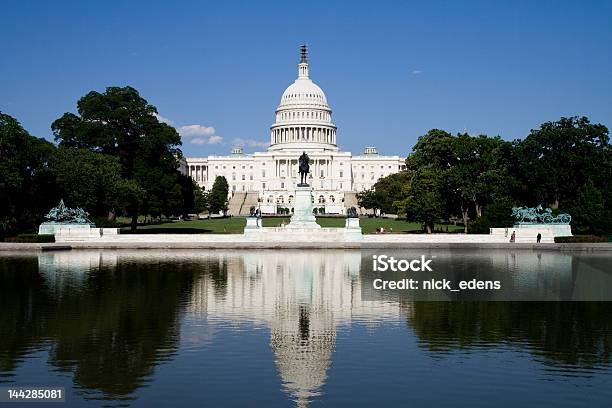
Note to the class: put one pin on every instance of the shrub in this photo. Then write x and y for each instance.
(580, 238)
(31, 238)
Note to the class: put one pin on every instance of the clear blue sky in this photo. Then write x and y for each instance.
(391, 70)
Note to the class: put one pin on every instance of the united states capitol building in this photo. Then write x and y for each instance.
(268, 179)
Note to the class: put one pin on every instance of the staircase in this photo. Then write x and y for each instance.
(235, 203)
(250, 200)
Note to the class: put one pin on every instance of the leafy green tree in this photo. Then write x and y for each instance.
(120, 123)
(588, 210)
(560, 157)
(473, 171)
(89, 180)
(390, 189)
(200, 200)
(217, 199)
(566, 164)
(423, 202)
(479, 175)
(26, 186)
(369, 199)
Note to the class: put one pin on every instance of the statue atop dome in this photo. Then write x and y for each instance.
(304, 169)
(304, 54)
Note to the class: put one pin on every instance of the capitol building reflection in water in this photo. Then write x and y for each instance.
(302, 297)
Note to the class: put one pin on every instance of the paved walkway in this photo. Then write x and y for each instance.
(177, 243)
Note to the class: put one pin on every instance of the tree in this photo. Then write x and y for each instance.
(26, 186)
(200, 200)
(369, 199)
(423, 202)
(217, 199)
(473, 171)
(389, 190)
(567, 165)
(120, 123)
(560, 157)
(89, 180)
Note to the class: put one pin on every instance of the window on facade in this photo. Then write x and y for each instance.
(341, 174)
(243, 177)
(250, 177)
(263, 173)
(233, 176)
(270, 199)
(340, 186)
(332, 199)
(282, 184)
(263, 186)
(322, 174)
(280, 200)
(321, 199)
(290, 199)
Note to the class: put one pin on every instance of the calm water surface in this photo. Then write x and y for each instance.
(292, 328)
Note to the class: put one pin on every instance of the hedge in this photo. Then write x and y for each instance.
(580, 238)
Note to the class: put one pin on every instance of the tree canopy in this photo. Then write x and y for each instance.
(564, 164)
(26, 186)
(120, 123)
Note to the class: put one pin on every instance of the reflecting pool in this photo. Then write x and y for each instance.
(297, 328)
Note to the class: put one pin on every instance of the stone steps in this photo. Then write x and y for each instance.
(250, 200)
(235, 203)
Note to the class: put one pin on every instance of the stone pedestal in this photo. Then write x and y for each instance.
(253, 223)
(529, 232)
(52, 228)
(302, 209)
(352, 223)
(352, 230)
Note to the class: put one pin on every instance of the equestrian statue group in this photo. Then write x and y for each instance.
(538, 215)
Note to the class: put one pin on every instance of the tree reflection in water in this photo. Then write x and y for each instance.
(575, 333)
(109, 324)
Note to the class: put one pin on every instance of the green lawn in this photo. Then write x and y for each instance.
(235, 225)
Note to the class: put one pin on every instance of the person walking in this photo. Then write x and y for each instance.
(513, 236)
(539, 238)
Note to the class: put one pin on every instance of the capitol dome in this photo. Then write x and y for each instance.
(303, 92)
(303, 117)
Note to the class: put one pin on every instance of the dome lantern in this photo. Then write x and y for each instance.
(303, 66)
